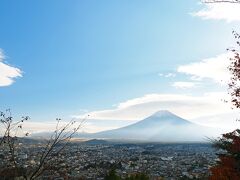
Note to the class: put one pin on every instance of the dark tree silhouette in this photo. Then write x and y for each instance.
(48, 158)
(228, 166)
(234, 68)
(10, 129)
(112, 175)
(137, 176)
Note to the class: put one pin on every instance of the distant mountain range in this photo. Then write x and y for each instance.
(162, 126)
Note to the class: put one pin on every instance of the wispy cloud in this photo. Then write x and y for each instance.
(90, 126)
(7, 73)
(168, 75)
(184, 84)
(227, 121)
(220, 11)
(215, 68)
(187, 106)
(207, 109)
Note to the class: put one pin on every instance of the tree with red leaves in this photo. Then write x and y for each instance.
(228, 166)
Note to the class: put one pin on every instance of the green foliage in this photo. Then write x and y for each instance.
(113, 176)
(140, 176)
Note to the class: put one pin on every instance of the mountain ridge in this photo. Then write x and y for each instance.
(161, 126)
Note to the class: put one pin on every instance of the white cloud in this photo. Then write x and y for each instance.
(92, 125)
(204, 109)
(184, 84)
(7, 72)
(186, 106)
(32, 127)
(220, 11)
(168, 75)
(89, 126)
(215, 68)
(226, 121)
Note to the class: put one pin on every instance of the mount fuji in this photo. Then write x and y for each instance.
(162, 126)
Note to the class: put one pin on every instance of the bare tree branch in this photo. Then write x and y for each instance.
(54, 145)
(62, 136)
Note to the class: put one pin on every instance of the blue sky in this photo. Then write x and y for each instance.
(78, 56)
